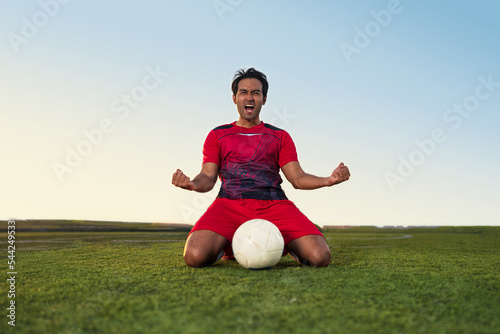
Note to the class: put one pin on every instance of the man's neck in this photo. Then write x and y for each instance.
(247, 124)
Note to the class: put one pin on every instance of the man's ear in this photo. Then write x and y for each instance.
(234, 99)
(264, 101)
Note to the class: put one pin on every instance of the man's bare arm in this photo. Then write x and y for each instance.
(202, 182)
(302, 180)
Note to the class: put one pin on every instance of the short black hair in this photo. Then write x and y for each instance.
(249, 74)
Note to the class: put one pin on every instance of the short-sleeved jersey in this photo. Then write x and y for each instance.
(249, 160)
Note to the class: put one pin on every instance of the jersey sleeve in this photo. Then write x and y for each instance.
(211, 149)
(288, 151)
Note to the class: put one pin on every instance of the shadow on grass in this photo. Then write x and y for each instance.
(343, 259)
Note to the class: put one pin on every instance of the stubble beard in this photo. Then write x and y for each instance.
(249, 117)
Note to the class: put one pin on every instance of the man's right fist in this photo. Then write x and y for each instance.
(179, 179)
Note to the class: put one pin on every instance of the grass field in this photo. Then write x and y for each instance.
(132, 279)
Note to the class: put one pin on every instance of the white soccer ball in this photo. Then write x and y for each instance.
(258, 244)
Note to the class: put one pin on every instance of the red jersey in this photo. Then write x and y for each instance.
(249, 160)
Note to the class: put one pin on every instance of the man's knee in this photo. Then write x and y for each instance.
(311, 251)
(320, 258)
(202, 248)
(195, 258)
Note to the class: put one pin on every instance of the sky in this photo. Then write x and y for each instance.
(102, 101)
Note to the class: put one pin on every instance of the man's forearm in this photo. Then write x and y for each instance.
(203, 183)
(309, 182)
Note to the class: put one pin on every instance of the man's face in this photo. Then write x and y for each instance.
(249, 100)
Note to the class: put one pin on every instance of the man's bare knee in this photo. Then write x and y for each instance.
(202, 248)
(320, 258)
(196, 258)
(311, 250)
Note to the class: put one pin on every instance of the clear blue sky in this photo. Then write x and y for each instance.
(101, 102)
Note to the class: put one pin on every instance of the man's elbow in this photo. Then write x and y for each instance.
(296, 181)
(295, 184)
(207, 187)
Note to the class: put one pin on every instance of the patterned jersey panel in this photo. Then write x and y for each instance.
(249, 160)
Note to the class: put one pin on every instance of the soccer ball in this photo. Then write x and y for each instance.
(258, 244)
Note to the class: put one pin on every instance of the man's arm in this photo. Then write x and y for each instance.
(202, 182)
(302, 180)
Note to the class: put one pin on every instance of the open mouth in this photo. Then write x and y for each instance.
(249, 108)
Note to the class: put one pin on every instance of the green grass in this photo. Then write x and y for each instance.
(440, 280)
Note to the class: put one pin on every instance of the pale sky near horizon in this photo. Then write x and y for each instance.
(102, 102)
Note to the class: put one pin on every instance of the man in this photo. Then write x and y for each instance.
(247, 155)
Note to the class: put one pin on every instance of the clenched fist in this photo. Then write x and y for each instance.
(339, 174)
(181, 180)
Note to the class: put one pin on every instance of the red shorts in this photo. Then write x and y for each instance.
(224, 216)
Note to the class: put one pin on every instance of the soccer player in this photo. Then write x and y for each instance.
(247, 156)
